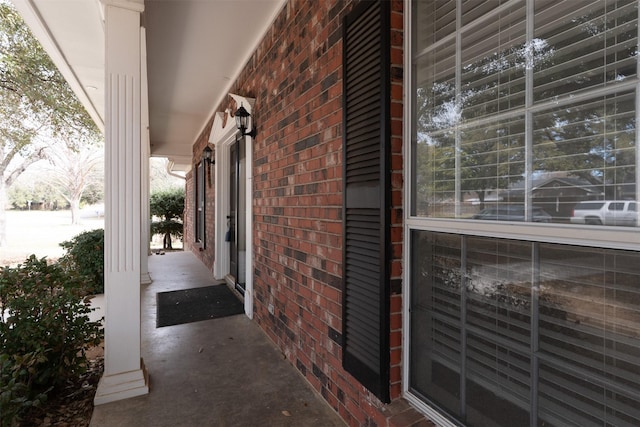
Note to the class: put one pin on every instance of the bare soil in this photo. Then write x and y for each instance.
(72, 404)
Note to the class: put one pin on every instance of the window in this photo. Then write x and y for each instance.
(514, 333)
(530, 109)
(524, 111)
(590, 205)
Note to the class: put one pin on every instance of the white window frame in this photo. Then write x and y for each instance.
(626, 238)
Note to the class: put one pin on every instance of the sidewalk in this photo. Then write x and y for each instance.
(220, 372)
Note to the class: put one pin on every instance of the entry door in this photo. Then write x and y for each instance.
(237, 215)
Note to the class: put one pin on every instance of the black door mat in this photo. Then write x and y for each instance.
(194, 305)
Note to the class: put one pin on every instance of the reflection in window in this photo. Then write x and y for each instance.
(593, 44)
(592, 141)
(589, 327)
(508, 333)
(539, 117)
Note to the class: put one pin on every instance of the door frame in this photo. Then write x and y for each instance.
(235, 226)
(223, 136)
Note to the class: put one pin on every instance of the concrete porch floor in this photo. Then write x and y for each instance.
(219, 372)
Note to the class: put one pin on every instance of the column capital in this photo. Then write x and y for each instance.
(133, 5)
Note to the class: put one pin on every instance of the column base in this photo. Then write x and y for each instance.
(122, 386)
(145, 279)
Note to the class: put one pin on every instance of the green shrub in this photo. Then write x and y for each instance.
(85, 254)
(44, 333)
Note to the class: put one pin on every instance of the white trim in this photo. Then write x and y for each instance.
(627, 238)
(29, 12)
(408, 176)
(133, 5)
(223, 135)
(435, 416)
(268, 23)
(145, 248)
(248, 291)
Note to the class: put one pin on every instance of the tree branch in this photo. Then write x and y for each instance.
(39, 155)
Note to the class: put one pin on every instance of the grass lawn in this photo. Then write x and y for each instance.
(41, 232)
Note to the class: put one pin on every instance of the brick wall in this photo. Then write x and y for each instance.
(397, 164)
(295, 76)
(189, 212)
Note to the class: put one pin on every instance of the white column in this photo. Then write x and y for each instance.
(124, 372)
(145, 249)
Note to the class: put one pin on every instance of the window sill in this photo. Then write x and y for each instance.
(580, 235)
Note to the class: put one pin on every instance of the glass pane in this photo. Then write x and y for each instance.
(498, 318)
(436, 19)
(436, 108)
(435, 319)
(492, 162)
(473, 10)
(573, 339)
(589, 328)
(435, 178)
(583, 44)
(436, 115)
(493, 59)
(498, 383)
(585, 151)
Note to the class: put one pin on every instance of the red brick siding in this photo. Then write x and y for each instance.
(189, 211)
(397, 173)
(298, 196)
(296, 77)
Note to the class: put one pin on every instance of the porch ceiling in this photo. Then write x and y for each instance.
(195, 50)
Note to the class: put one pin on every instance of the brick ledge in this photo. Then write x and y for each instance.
(400, 413)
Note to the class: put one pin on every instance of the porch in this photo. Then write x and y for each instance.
(222, 372)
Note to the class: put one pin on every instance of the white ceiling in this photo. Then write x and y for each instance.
(195, 50)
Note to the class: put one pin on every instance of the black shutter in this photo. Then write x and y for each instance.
(366, 195)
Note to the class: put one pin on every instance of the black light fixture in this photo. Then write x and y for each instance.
(206, 155)
(242, 118)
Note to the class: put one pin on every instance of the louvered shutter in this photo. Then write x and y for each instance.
(366, 196)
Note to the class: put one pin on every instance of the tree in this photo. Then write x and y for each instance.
(35, 187)
(74, 170)
(37, 106)
(168, 206)
(160, 179)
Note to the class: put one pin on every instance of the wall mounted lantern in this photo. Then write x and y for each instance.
(242, 118)
(206, 155)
